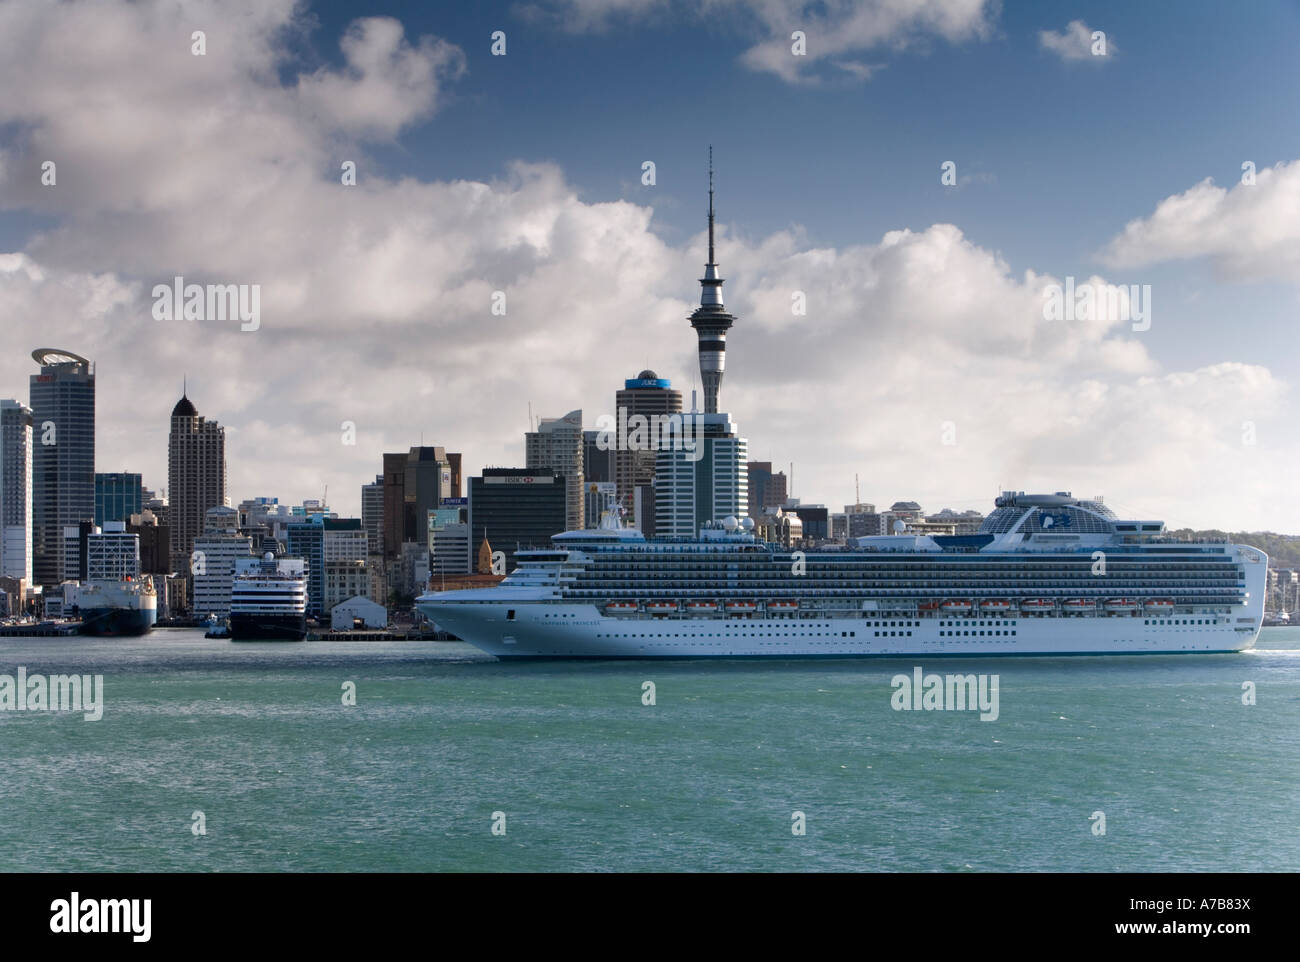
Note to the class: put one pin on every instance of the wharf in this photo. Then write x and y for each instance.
(62, 629)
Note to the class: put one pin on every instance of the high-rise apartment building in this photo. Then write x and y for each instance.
(196, 477)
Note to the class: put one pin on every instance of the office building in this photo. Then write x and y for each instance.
(63, 455)
(516, 507)
(212, 564)
(117, 496)
(706, 484)
(155, 543)
(196, 476)
(597, 458)
(372, 515)
(557, 444)
(415, 483)
(16, 492)
(767, 489)
(320, 541)
(641, 412)
(112, 553)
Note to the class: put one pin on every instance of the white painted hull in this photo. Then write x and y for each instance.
(582, 631)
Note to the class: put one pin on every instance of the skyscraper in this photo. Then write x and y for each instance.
(16, 491)
(63, 455)
(372, 515)
(643, 398)
(711, 320)
(415, 483)
(196, 477)
(557, 444)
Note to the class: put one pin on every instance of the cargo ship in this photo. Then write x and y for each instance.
(117, 608)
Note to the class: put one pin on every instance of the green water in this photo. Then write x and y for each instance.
(290, 779)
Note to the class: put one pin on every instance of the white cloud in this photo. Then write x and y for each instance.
(835, 30)
(376, 304)
(388, 83)
(1076, 42)
(1251, 232)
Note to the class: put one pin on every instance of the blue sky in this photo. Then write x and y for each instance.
(1064, 153)
(226, 166)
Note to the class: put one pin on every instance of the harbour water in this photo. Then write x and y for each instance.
(257, 738)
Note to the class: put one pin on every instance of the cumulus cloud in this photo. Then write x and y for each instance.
(388, 83)
(1076, 42)
(1251, 232)
(376, 302)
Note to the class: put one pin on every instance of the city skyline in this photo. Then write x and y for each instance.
(924, 302)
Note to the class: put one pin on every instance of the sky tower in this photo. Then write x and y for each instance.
(711, 320)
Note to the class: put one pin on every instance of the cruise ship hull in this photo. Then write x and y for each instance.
(267, 627)
(582, 631)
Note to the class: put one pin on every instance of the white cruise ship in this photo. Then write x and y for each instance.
(1045, 575)
(268, 601)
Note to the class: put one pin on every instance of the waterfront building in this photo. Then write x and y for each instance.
(517, 507)
(557, 444)
(358, 612)
(118, 495)
(196, 476)
(320, 540)
(212, 565)
(16, 492)
(63, 455)
(343, 580)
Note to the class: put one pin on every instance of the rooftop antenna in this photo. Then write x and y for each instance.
(710, 203)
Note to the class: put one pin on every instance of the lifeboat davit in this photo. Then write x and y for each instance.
(1037, 604)
(995, 604)
(742, 606)
(703, 607)
(956, 604)
(1121, 604)
(1160, 604)
(621, 606)
(782, 605)
(661, 607)
(928, 606)
(1079, 604)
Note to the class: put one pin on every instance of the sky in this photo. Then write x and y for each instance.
(920, 175)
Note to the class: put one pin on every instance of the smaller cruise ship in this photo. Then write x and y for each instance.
(268, 601)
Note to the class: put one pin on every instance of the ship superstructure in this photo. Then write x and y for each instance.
(1045, 575)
